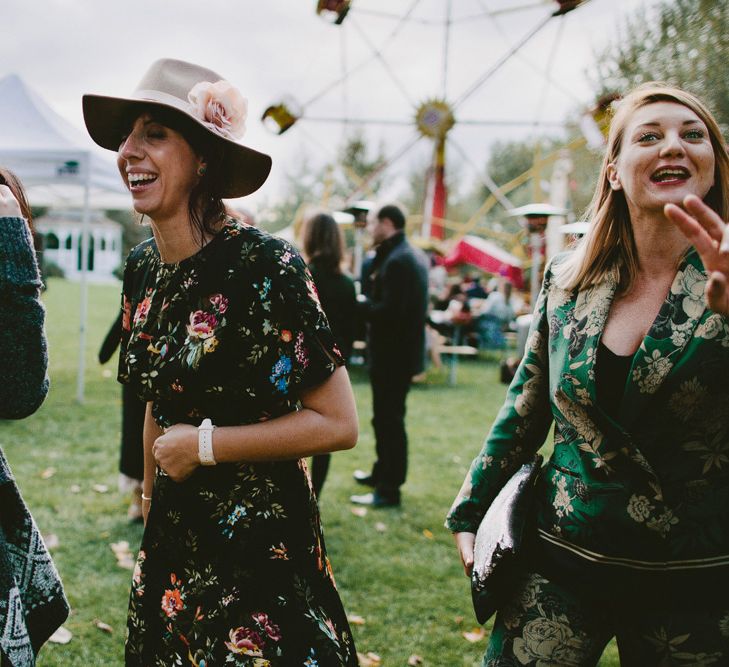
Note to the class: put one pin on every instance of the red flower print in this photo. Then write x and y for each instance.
(219, 302)
(245, 641)
(271, 629)
(176, 386)
(172, 602)
(127, 314)
(286, 336)
(202, 324)
(142, 310)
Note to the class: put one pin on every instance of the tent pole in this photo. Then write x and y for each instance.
(84, 282)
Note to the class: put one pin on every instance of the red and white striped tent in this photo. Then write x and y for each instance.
(488, 257)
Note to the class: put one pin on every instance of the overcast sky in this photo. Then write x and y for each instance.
(270, 48)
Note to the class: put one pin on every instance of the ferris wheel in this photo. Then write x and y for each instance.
(433, 116)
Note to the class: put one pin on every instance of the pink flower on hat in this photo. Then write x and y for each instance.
(221, 107)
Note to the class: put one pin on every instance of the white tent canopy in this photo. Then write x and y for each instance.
(51, 156)
(60, 166)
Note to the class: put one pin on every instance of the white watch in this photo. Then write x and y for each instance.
(205, 443)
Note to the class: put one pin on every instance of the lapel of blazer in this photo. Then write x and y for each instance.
(665, 341)
(585, 322)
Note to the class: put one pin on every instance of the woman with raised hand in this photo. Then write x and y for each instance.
(632, 508)
(226, 341)
(32, 603)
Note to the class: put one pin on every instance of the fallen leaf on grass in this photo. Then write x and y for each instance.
(356, 620)
(359, 511)
(380, 527)
(51, 540)
(75, 488)
(106, 373)
(61, 636)
(427, 534)
(368, 659)
(414, 660)
(48, 473)
(100, 488)
(476, 635)
(104, 627)
(458, 620)
(124, 556)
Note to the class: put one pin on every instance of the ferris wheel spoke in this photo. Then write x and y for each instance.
(388, 15)
(337, 82)
(384, 166)
(550, 64)
(484, 176)
(511, 123)
(378, 55)
(484, 77)
(446, 44)
(520, 56)
(358, 121)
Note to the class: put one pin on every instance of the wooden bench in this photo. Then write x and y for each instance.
(456, 351)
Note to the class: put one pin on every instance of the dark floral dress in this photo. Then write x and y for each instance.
(232, 569)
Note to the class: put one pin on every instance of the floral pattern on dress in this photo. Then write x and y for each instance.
(233, 569)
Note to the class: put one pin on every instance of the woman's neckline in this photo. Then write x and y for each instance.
(198, 253)
(618, 356)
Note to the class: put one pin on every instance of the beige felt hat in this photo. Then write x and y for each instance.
(198, 95)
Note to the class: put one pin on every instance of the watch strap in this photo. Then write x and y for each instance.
(205, 443)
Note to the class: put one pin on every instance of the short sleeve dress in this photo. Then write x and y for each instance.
(232, 568)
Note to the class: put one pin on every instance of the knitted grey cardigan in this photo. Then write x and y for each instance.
(32, 603)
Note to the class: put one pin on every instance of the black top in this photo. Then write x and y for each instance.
(611, 374)
(397, 306)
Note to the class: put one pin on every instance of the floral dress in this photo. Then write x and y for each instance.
(232, 569)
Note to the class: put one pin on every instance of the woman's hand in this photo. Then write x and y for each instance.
(175, 451)
(9, 207)
(465, 542)
(710, 236)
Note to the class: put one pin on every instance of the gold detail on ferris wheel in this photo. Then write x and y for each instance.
(434, 118)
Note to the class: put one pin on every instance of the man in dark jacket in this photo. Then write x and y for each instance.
(395, 310)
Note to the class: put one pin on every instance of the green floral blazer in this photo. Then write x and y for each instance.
(648, 491)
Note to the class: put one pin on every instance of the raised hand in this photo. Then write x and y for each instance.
(709, 234)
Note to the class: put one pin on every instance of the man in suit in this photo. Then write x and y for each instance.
(395, 310)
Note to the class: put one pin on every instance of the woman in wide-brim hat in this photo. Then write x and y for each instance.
(225, 339)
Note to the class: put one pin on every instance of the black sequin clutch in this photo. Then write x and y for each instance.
(499, 540)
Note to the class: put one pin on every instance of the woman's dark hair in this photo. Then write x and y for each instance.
(323, 244)
(8, 178)
(205, 206)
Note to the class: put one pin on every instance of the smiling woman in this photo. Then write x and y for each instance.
(632, 510)
(225, 340)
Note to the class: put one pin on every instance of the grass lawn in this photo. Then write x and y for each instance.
(396, 569)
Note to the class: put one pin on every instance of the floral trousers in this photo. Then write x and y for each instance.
(547, 625)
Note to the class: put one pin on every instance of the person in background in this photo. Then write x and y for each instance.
(32, 601)
(632, 509)
(224, 338)
(324, 251)
(396, 310)
(131, 456)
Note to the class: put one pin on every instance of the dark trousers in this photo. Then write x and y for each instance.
(390, 388)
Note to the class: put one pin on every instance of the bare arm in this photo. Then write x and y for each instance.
(150, 433)
(326, 422)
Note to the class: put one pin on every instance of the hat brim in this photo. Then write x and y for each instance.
(244, 169)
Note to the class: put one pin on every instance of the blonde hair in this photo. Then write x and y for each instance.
(608, 249)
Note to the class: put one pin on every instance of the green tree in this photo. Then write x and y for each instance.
(683, 42)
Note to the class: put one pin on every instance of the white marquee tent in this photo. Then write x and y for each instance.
(60, 166)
